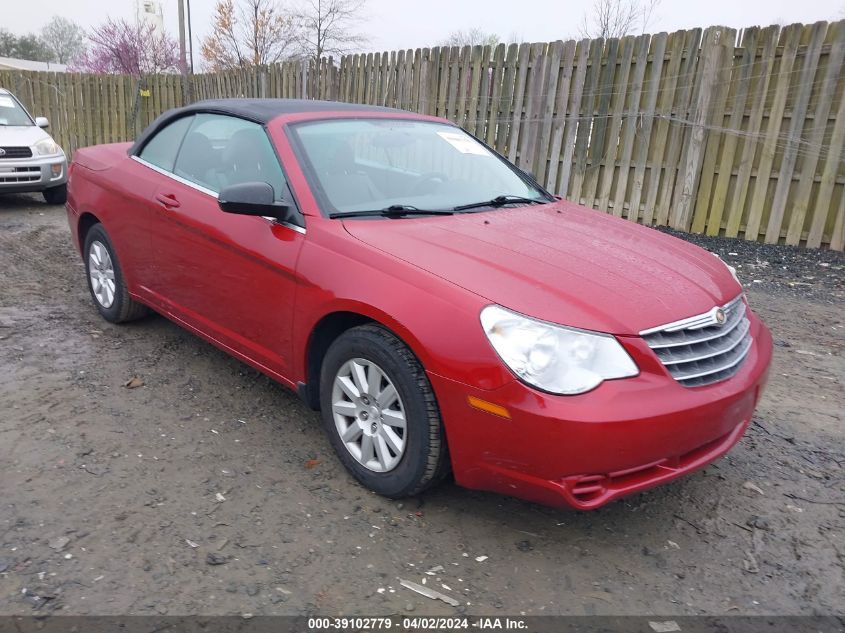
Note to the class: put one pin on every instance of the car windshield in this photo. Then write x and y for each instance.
(360, 165)
(11, 113)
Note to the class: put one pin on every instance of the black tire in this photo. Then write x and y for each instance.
(425, 460)
(123, 307)
(55, 195)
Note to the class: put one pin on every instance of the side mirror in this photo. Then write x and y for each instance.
(252, 198)
(42, 122)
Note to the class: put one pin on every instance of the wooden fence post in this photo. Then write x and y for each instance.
(714, 48)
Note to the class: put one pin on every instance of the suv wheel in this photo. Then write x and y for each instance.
(55, 195)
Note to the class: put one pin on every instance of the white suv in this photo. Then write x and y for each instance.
(30, 160)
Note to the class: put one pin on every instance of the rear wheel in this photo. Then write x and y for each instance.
(55, 195)
(105, 279)
(380, 413)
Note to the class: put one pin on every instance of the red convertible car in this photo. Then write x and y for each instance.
(441, 310)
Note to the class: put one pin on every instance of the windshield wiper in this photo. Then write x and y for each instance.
(498, 201)
(393, 211)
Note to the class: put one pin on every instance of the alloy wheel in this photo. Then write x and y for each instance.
(101, 273)
(369, 415)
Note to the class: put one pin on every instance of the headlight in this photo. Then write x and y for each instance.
(46, 147)
(554, 358)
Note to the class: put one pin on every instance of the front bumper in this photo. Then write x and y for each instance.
(31, 174)
(587, 450)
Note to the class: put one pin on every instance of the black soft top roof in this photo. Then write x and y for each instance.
(258, 110)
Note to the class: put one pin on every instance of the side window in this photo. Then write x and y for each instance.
(161, 150)
(220, 150)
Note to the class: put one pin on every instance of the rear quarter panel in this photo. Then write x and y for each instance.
(118, 191)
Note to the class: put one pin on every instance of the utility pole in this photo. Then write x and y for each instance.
(190, 37)
(183, 62)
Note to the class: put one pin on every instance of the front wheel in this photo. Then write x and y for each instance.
(380, 413)
(55, 195)
(105, 279)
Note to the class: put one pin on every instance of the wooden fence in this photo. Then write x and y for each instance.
(717, 131)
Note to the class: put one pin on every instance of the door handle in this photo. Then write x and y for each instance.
(168, 201)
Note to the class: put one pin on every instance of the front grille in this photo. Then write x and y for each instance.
(20, 174)
(698, 351)
(15, 152)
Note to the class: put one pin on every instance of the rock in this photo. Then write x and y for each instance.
(750, 563)
(758, 522)
(524, 546)
(748, 485)
(59, 543)
(4, 565)
(95, 469)
(252, 590)
(409, 606)
(216, 559)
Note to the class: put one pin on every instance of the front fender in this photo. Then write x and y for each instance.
(439, 321)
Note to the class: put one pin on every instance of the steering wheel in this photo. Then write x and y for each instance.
(427, 178)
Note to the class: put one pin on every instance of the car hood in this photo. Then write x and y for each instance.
(561, 263)
(21, 135)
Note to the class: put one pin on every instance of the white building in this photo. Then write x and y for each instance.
(150, 12)
(10, 63)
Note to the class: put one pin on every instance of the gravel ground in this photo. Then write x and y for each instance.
(785, 270)
(209, 489)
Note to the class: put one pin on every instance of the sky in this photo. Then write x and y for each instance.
(395, 24)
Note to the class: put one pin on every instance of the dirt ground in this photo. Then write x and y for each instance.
(117, 500)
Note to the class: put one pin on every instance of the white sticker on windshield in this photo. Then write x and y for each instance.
(463, 143)
(6, 102)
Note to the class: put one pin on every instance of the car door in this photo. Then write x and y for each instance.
(232, 277)
(136, 182)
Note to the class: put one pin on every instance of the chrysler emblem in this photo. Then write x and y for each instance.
(720, 317)
(2, 152)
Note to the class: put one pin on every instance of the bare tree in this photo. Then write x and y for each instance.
(617, 18)
(256, 32)
(471, 37)
(64, 38)
(327, 27)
